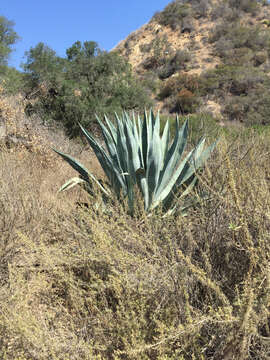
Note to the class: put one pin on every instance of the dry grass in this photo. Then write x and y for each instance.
(87, 285)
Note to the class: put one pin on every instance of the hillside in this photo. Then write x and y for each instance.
(206, 57)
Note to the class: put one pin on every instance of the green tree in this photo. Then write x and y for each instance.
(12, 79)
(78, 51)
(105, 81)
(42, 65)
(88, 81)
(8, 37)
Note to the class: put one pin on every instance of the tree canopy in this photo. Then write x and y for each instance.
(8, 37)
(88, 81)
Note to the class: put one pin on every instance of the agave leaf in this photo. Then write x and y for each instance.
(165, 141)
(194, 162)
(135, 131)
(127, 121)
(130, 194)
(111, 128)
(189, 188)
(132, 159)
(139, 122)
(85, 174)
(111, 144)
(145, 136)
(191, 164)
(154, 159)
(134, 156)
(122, 148)
(197, 161)
(190, 202)
(172, 196)
(164, 191)
(172, 158)
(109, 141)
(71, 183)
(111, 171)
(140, 142)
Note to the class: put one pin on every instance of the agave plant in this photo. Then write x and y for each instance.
(136, 154)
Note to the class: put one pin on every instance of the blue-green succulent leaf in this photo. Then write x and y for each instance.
(71, 183)
(136, 153)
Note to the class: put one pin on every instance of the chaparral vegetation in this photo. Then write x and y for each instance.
(163, 252)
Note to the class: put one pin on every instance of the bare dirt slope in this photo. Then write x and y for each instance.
(201, 52)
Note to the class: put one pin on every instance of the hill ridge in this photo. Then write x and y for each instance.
(190, 45)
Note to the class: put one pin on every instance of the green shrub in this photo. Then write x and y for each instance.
(201, 8)
(203, 125)
(8, 37)
(159, 49)
(249, 6)
(199, 125)
(224, 11)
(253, 38)
(243, 89)
(152, 63)
(145, 48)
(12, 80)
(175, 84)
(236, 108)
(252, 109)
(188, 25)
(228, 38)
(184, 102)
(242, 55)
(227, 79)
(181, 94)
(172, 15)
(260, 58)
(168, 89)
(175, 63)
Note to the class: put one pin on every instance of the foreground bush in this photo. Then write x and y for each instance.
(86, 285)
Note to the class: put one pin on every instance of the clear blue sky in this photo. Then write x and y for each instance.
(59, 23)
